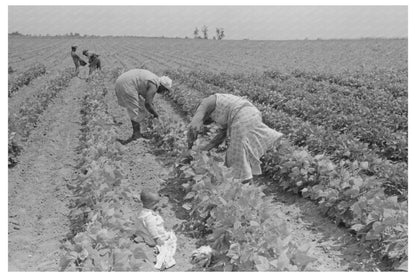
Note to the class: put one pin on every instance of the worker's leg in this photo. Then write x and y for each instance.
(135, 123)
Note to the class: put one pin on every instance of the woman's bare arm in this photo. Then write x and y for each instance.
(150, 94)
(204, 110)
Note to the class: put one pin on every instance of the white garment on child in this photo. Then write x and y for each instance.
(166, 251)
(154, 224)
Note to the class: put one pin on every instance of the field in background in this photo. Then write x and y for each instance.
(219, 56)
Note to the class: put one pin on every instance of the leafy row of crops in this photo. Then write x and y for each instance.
(237, 220)
(104, 212)
(25, 119)
(377, 120)
(343, 190)
(393, 81)
(103, 219)
(25, 77)
(317, 139)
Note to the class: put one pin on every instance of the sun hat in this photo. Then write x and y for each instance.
(166, 82)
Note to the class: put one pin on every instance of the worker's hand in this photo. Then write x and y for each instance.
(192, 135)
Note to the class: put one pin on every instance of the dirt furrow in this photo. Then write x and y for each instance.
(144, 172)
(38, 196)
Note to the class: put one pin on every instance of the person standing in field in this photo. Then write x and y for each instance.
(241, 122)
(135, 90)
(77, 60)
(93, 60)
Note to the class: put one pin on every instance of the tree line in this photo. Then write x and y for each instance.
(219, 33)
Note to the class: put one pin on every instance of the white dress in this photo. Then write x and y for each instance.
(154, 224)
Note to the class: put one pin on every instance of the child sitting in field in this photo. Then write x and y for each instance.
(165, 240)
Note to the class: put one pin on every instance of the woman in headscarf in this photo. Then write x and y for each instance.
(241, 122)
(135, 90)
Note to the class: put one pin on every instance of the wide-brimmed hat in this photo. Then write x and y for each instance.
(166, 82)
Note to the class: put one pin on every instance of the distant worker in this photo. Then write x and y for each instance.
(241, 122)
(135, 90)
(93, 60)
(77, 60)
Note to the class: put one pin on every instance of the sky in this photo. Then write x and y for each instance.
(239, 22)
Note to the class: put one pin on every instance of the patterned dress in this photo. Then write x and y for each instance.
(249, 137)
(131, 89)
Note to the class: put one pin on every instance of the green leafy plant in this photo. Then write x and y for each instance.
(25, 77)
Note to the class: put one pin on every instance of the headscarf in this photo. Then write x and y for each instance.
(166, 82)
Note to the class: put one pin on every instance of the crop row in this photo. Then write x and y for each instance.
(317, 139)
(104, 222)
(343, 191)
(393, 109)
(25, 120)
(330, 109)
(392, 81)
(25, 77)
(237, 220)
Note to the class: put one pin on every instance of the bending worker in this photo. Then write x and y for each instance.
(242, 123)
(135, 90)
(93, 60)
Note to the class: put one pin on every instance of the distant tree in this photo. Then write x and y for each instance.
(204, 31)
(16, 33)
(196, 33)
(220, 33)
(214, 37)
